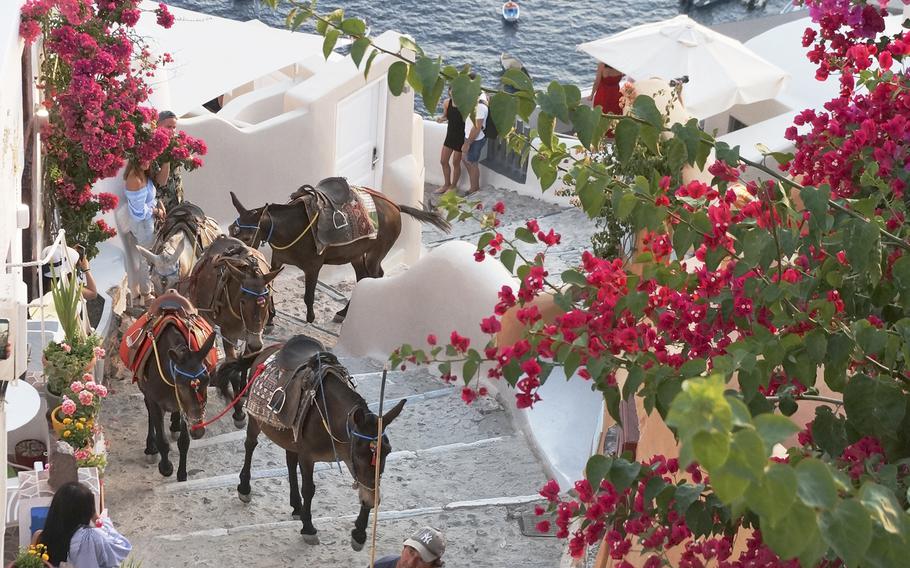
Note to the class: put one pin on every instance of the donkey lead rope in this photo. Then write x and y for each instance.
(294, 242)
(163, 377)
(377, 457)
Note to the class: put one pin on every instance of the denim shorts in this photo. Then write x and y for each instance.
(474, 150)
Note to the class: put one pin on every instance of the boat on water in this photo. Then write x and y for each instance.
(511, 12)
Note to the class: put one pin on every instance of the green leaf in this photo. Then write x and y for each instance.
(676, 154)
(503, 109)
(773, 496)
(465, 93)
(398, 72)
(829, 432)
(574, 277)
(774, 428)
(875, 406)
(693, 368)
(516, 78)
(328, 44)
(711, 448)
(523, 234)
(793, 533)
(353, 26)
(815, 484)
(406, 42)
(570, 365)
(645, 109)
(545, 124)
(848, 530)
(685, 495)
(886, 550)
(883, 506)
(627, 204)
(369, 64)
(649, 136)
(424, 73)
(816, 202)
(431, 97)
(816, 345)
(358, 49)
(597, 468)
(469, 370)
(728, 484)
(553, 101)
(625, 137)
(507, 257)
(862, 244)
(623, 473)
(588, 125)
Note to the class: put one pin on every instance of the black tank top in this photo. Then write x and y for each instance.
(456, 121)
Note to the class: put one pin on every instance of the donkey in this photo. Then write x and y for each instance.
(281, 225)
(175, 379)
(231, 287)
(338, 426)
(185, 233)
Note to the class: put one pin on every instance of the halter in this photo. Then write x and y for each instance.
(167, 274)
(194, 382)
(268, 238)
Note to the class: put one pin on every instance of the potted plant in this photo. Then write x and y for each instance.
(35, 556)
(74, 420)
(66, 361)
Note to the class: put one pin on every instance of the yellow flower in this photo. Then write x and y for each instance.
(79, 425)
(67, 420)
(66, 433)
(82, 419)
(45, 557)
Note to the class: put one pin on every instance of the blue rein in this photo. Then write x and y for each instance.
(246, 290)
(255, 227)
(175, 370)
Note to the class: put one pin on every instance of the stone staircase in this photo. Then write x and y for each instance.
(464, 469)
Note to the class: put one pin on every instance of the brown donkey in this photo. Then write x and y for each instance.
(290, 224)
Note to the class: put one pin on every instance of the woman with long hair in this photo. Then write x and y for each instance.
(136, 222)
(74, 533)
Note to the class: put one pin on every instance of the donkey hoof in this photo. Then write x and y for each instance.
(181, 476)
(357, 546)
(166, 469)
(245, 497)
(240, 424)
(311, 539)
(151, 458)
(295, 514)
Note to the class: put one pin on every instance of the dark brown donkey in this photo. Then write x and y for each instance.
(230, 285)
(290, 224)
(173, 375)
(333, 423)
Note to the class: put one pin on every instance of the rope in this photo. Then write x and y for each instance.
(377, 458)
(233, 403)
(163, 378)
(294, 242)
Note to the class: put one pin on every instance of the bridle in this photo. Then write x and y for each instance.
(194, 382)
(257, 227)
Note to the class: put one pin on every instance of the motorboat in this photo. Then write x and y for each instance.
(511, 12)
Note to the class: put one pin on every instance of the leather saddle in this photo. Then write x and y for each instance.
(330, 197)
(171, 301)
(189, 218)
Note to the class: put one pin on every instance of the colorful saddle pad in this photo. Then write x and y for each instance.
(280, 398)
(136, 345)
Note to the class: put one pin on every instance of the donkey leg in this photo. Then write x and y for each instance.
(175, 425)
(309, 292)
(165, 467)
(183, 444)
(151, 444)
(293, 463)
(359, 533)
(270, 324)
(360, 272)
(308, 490)
(252, 439)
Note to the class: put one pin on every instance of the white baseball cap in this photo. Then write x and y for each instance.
(60, 264)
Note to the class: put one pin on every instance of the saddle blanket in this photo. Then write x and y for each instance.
(357, 219)
(280, 398)
(136, 345)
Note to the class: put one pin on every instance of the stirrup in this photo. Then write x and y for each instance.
(276, 403)
(344, 219)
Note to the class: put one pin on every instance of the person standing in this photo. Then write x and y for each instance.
(475, 139)
(423, 550)
(605, 93)
(136, 221)
(74, 533)
(168, 182)
(451, 147)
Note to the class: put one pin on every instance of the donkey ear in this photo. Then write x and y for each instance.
(151, 257)
(174, 355)
(178, 250)
(360, 417)
(237, 205)
(271, 275)
(391, 415)
(207, 346)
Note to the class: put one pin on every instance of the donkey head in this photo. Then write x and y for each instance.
(164, 268)
(364, 434)
(247, 227)
(254, 293)
(191, 379)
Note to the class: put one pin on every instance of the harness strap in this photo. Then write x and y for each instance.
(294, 242)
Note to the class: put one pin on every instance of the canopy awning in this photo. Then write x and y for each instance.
(213, 55)
(722, 71)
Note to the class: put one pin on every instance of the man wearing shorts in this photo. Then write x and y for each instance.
(474, 142)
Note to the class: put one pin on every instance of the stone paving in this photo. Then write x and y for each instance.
(464, 469)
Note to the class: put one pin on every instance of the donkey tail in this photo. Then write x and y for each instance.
(427, 215)
(231, 373)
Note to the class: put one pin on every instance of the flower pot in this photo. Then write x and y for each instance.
(57, 420)
(54, 399)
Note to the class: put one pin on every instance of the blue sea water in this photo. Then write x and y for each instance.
(472, 31)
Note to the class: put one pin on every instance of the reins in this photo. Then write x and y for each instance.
(268, 238)
(174, 384)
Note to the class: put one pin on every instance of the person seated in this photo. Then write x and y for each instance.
(74, 533)
(423, 550)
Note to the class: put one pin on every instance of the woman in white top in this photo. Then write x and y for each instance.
(136, 221)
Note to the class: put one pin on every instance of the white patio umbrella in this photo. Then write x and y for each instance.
(722, 71)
